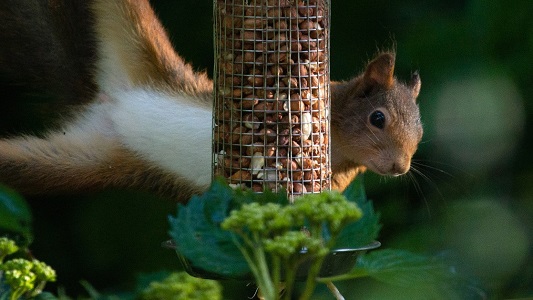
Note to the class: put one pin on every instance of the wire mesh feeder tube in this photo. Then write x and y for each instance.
(271, 102)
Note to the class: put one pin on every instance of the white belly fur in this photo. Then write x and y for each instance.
(168, 131)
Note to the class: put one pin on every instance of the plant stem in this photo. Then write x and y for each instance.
(247, 257)
(276, 274)
(290, 277)
(38, 288)
(258, 266)
(311, 278)
(334, 291)
(263, 277)
(16, 294)
(255, 268)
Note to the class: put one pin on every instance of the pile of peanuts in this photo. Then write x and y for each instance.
(271, 127)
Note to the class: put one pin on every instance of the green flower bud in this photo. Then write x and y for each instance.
(182, 286)
(19, 276)
(292, 242)
(43, 271)
(7, 247)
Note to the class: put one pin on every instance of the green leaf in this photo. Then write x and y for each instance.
(365, 230)
(15, 217)
(197, 233)
(404, 268)
(432, 276)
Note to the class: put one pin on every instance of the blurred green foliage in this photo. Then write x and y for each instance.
(182, 286)
(15, 217)
(474, 199)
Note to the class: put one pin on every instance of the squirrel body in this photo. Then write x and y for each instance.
(147, 118)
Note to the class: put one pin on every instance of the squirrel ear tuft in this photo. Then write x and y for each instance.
(415, 84)
(381, 70)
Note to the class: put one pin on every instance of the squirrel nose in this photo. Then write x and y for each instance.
(400, 167)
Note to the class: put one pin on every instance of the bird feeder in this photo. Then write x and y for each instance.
(272, 97)
(271, 125)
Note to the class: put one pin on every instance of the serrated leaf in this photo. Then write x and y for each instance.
(433, 276)
(404, 268)
(365, 230)
(197, 233)
(15, 217)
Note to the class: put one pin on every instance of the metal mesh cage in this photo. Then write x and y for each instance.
(271, 103)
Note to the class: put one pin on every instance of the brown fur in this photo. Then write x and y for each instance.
(145, 48)
(61, 164)
(65, 163)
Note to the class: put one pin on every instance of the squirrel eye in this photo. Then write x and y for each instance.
(377, 119)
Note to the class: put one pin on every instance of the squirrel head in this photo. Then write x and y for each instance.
(376, 119)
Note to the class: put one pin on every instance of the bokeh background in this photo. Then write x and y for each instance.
(469, 195)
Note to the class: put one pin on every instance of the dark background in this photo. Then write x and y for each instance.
(470, 197)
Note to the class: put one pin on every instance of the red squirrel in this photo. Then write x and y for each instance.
(147, 122)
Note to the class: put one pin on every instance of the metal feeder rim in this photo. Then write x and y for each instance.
(337, 262)
(170, 244)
